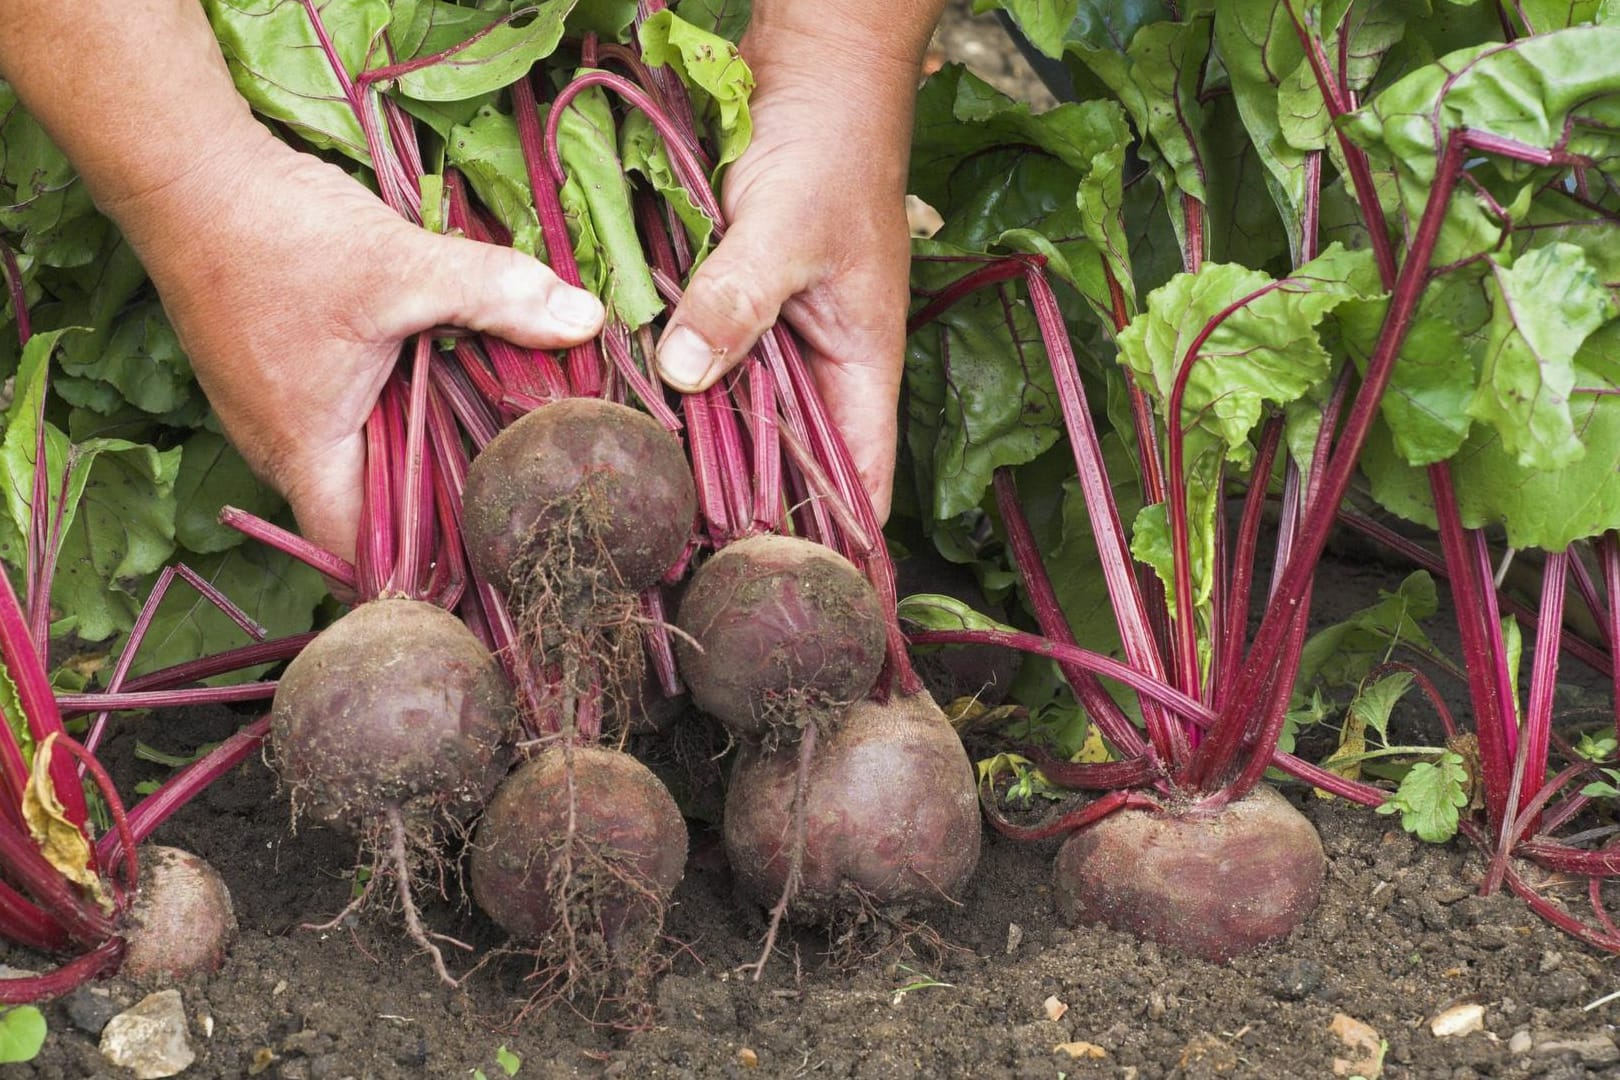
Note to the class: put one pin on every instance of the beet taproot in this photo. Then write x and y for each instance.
(571, 482)
(1212, 885)
(890, 814)
(777, 632)
(182, 922)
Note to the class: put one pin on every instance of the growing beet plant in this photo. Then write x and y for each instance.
(1304, 258)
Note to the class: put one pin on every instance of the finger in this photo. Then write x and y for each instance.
(450, 280)
(325, 493)
(862, 399)
(733, 298)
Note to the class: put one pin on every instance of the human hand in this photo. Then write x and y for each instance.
(292, 288)
(817, 236)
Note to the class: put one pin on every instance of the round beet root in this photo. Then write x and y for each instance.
(891, 815)
(1212, 886)
(182, 921)
(785, 631)
(584, 476)
(626, 855)
(394, 707)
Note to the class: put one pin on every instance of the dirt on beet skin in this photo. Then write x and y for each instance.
(1399, 938)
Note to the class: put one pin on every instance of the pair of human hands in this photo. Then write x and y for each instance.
(295, 296)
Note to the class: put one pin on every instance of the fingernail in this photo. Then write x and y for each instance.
(684, 359)
(576, 308)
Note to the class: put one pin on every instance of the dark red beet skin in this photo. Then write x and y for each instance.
(778, 625)
(621, 813)
(616, 467)
(891, 811)
(1211, 886)
(395, 705)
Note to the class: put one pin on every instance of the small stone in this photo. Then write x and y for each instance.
(1365, 1048)
(1297, 980)
(1595, 1049)
(89, 1009)
(1520, 1043)
(1054, 1008)
(1081, 1050)
(1015, 937)
(151, 1039)
(1209, 1053)
(1551, 960)
(1458, 1020)
(747, 1058)
(1156, 1007)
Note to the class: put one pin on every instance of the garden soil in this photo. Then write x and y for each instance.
(999, 988)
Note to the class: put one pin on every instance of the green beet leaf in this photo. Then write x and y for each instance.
(498, 58)
(489, 155)
(277, 63)
(712, 70)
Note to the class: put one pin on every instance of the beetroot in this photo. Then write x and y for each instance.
(890, 814)
(1213, 886)
(573, 481)
(395, 707)
(182, 921)
(583, 844)
(778, 632)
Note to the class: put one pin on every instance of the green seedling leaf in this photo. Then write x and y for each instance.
(1431, 797)
(277, 63)
(509, 1062)
(1604, 789)
(22, 1034)
(1597, 746)
(499, 58)
(712, 70)
(1374, 704)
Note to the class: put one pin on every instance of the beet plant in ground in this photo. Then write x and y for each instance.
(1300, 300)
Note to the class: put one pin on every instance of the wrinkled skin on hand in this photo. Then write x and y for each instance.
(293, 300)
(819, 235)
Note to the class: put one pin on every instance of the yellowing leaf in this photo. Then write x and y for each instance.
(62, 843)
(1093, 749)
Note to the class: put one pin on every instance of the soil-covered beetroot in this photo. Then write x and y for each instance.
(777, 632)
(575, 478)
(586, 838)
(891, 816)
(1213, 886)
(181, 922)
(395, 707)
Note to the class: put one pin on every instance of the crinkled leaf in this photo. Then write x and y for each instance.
(588, 143)
(141, 360)
(1431, 797)
(62, 843)
(712, 70)
(500, 57)
(644, 153)
(277, 592)
(1544, 307)
(1260, 50)
(42, 204)
(213, 475)
(1045, 23)
(1546, 509)
(16, 720)
(1240, 216)
(979, 394)
(1551, 90)
(1004, 178)
(489, 155)
(277, 63)
(22, 1034)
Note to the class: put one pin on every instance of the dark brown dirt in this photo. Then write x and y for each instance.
(1400, 936)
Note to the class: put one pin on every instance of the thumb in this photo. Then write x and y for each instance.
(733, 298)
(453, 281)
